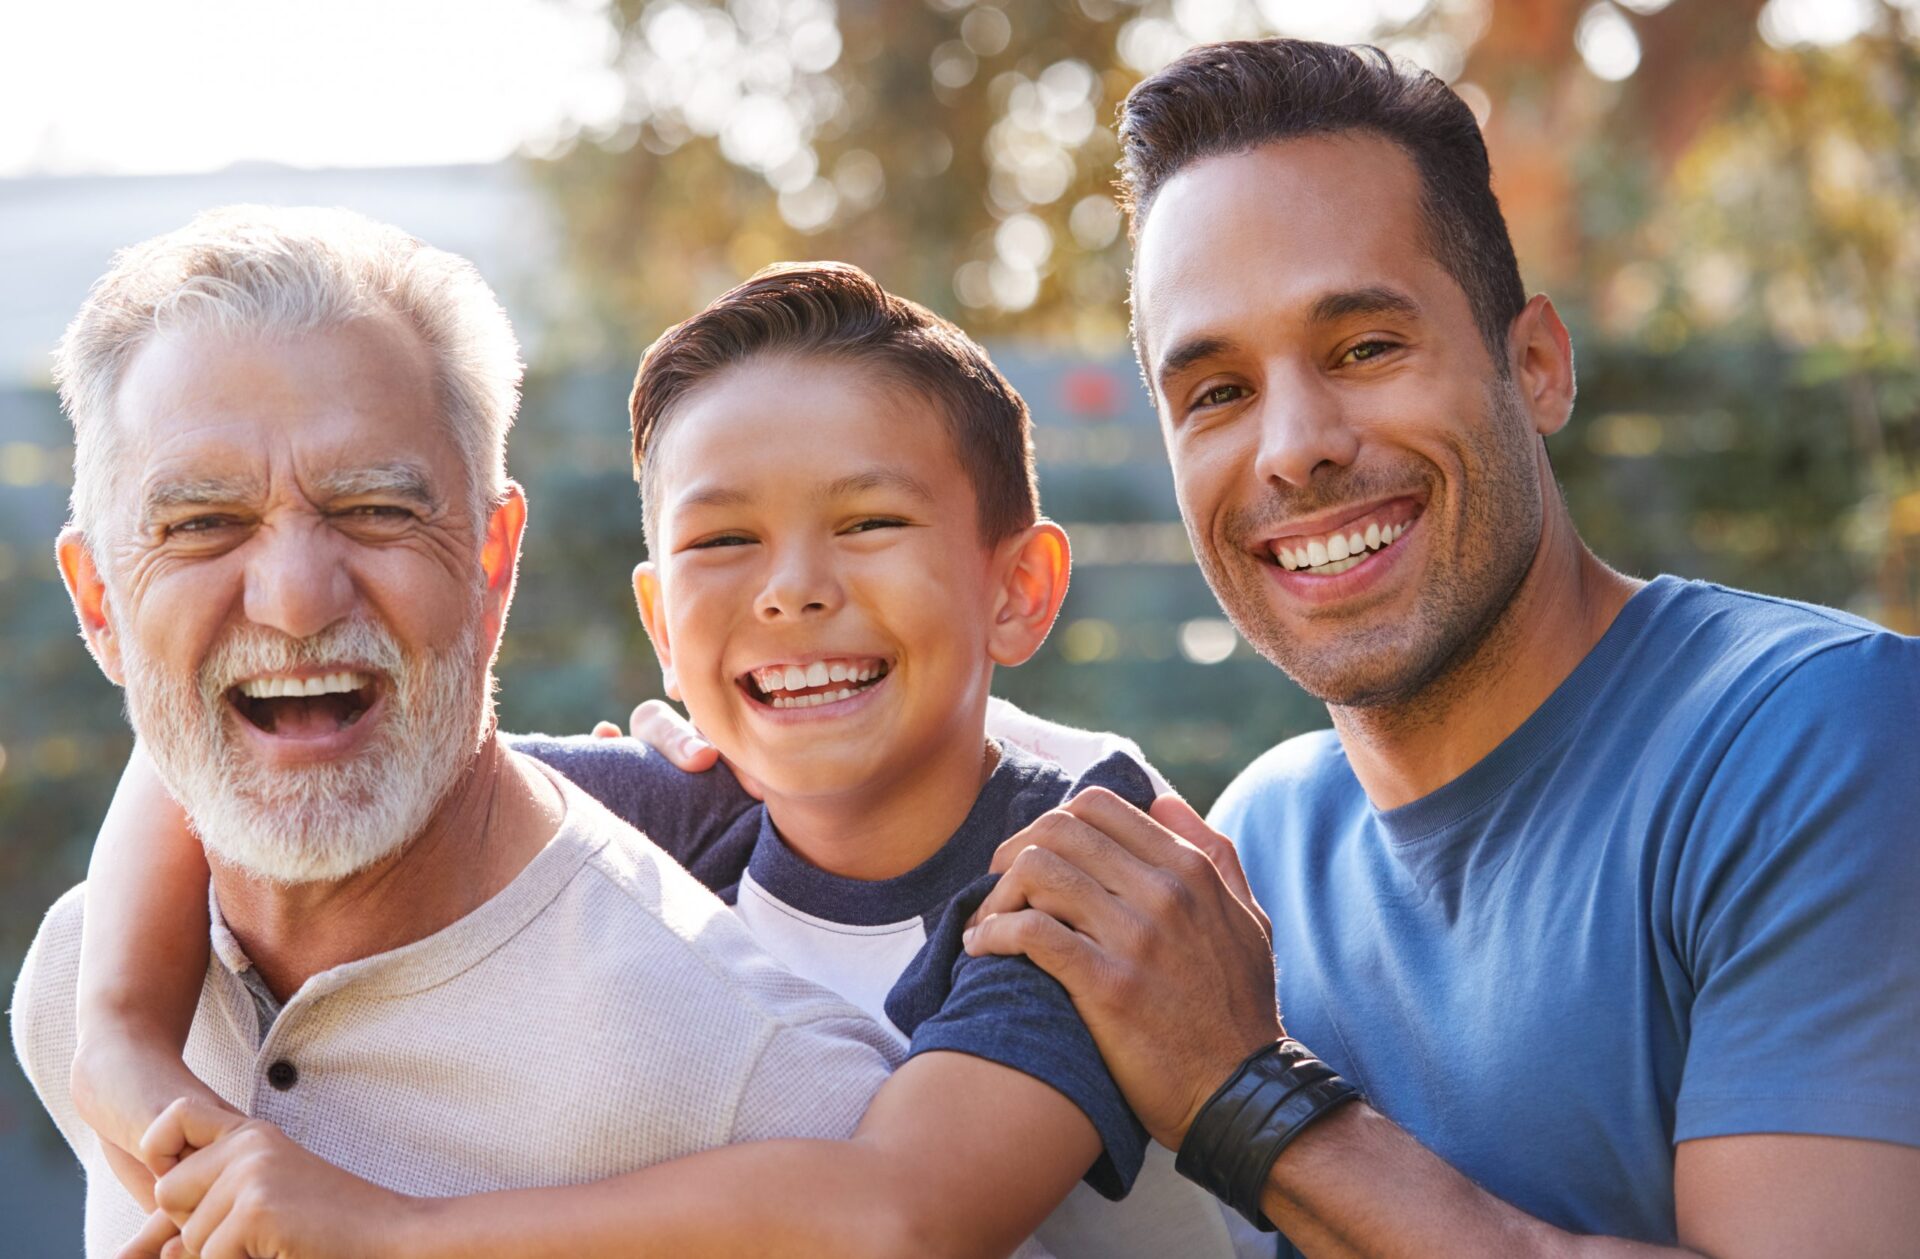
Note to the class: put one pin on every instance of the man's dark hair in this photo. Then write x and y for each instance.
(1233, 97)
(834, 310)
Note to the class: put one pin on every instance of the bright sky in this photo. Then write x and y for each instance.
(151, 86)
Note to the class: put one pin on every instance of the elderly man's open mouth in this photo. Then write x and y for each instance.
(324, 712)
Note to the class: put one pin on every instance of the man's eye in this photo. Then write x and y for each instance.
(1219, 395)
(1366, 350)
(378, 511)
(200, 524)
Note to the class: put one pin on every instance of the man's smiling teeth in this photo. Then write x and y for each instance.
(777, 681)
(291, 688)
(1337, 552)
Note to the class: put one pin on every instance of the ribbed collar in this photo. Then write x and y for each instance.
(929, 885)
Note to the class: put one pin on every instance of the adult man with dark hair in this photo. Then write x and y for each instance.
(1602, 891)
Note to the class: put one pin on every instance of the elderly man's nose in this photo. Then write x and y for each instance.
(296, 584)
(1302, 429)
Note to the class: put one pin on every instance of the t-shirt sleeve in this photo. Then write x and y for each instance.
(1009, 1011)
(814, 1080)
(1074, 750)
(1797, 910)
(688, 815)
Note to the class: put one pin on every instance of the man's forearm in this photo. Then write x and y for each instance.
(1355, 1184)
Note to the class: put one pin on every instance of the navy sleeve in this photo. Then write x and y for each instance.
(691, 816)
(1009, 1011)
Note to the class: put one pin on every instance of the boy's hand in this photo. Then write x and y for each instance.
(660, 726)
(243, 1190)
(120, 1085)
(1148, 924)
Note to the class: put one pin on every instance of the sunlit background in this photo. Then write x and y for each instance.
(1719, 194)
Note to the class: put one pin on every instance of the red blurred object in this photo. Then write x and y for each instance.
(1090, 393)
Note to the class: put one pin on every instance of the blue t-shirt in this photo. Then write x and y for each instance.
(901, 934)
(1681, 901)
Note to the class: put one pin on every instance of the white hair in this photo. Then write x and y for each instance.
(260, 269)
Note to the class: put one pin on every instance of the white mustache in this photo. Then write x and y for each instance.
(250, 650)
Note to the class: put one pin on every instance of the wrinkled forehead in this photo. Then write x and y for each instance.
(209, 404)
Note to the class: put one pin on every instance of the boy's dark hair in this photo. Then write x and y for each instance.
(835, 310)
(1233, 97)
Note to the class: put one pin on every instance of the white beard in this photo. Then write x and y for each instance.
(313, 823)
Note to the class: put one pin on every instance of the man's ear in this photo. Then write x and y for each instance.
(653, 615)
(1033, 567)
(88, 590)
(500, 556)
(1540, 355)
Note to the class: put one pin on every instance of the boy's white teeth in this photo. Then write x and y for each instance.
(287, 688)
(775, 679)
(810, 701)
(1337, 552)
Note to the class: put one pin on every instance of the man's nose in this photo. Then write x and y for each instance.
(801, 583)
(297, 581)
(1302, 430)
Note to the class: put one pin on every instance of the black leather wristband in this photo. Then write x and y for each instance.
(1274, 1095)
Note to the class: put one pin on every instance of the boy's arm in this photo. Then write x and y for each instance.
(956, 1156)
(143, 958)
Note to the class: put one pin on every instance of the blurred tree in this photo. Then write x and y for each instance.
(1730, 179)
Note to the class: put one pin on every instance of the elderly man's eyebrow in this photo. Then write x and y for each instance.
(174, 493)
(1373, 299)
(395, 480)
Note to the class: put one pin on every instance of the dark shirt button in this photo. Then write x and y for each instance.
(282, 1075)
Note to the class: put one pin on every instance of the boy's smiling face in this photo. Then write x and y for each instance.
(823, 600)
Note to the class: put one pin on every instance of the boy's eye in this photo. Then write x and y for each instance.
(877, 522)
(725, 539)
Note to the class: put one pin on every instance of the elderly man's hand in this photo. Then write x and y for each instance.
(1147, 922)
(241, 1189)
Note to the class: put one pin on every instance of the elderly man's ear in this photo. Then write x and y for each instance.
(88, 590)
(500, 556)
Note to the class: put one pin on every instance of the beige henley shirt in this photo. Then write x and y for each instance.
(604, 1012)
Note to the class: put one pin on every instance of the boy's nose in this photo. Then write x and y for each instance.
(797, 589)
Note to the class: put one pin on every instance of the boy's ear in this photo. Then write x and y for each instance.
(653, 615)
(88, 589)
(1034, 566)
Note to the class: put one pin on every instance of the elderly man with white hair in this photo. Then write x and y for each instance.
(437, 964)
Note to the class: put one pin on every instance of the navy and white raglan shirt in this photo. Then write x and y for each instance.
(892, 947)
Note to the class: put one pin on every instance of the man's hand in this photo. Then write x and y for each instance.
(1148, 923)
(660, 726)
(240, 1188)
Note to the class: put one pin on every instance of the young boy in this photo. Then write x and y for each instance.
(841, 508)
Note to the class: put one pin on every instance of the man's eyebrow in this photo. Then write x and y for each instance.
(878, 479)
(1187, 353)
(1374, 299)
(400, 480)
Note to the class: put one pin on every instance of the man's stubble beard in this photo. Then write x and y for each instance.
(325, 822)
(1415, 661)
